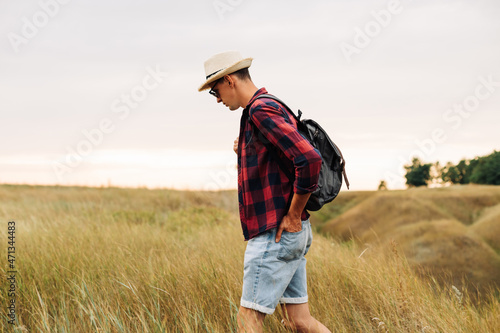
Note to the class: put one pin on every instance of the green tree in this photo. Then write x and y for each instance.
(417, 174)
(460, 173)
(487, 170)
(450, 174)
(472, 165)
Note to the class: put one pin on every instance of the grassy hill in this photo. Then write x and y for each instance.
(453, 230)
(137, 260)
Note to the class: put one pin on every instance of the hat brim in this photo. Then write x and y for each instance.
(245, 63)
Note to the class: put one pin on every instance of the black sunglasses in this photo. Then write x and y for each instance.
(212, 91)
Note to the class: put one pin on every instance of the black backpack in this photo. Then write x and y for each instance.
(332, 167)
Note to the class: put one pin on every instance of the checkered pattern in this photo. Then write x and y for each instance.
(264, 190)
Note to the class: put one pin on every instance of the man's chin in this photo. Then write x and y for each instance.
(233, 108)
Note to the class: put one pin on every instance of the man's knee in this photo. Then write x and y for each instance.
(299, 319)
(302, 324)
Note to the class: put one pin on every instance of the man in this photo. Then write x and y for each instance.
(272, 212)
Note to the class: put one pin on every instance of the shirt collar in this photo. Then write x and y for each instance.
(258, 93)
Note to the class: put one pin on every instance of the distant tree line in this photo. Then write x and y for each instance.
(480, 170)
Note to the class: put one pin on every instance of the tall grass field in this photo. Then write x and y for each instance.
(138, 260)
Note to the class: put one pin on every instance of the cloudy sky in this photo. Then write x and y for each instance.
(105, 92)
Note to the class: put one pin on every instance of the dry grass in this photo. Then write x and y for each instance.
(488, 226)
(124, 260)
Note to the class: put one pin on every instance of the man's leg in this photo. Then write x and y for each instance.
(297, 316)
(249, 320)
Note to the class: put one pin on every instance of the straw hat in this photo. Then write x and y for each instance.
(223, 64)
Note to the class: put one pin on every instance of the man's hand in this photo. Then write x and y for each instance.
(235, 146)
(290, 223)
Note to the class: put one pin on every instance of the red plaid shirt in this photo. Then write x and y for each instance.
(264, 190)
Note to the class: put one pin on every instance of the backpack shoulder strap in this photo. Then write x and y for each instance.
(297, 118)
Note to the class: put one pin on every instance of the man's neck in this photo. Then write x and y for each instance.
(247, 93)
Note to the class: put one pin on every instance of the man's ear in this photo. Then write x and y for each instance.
(230, 80)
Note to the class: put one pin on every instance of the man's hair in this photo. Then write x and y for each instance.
(242, 74)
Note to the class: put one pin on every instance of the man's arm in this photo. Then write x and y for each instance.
(292, 221)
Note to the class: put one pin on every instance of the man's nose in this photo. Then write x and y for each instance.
(219, 99)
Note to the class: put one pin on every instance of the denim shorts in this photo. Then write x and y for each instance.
(276, 272)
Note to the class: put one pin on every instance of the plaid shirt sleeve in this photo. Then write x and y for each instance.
(277, 126)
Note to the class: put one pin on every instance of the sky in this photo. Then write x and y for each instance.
(104, 93)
